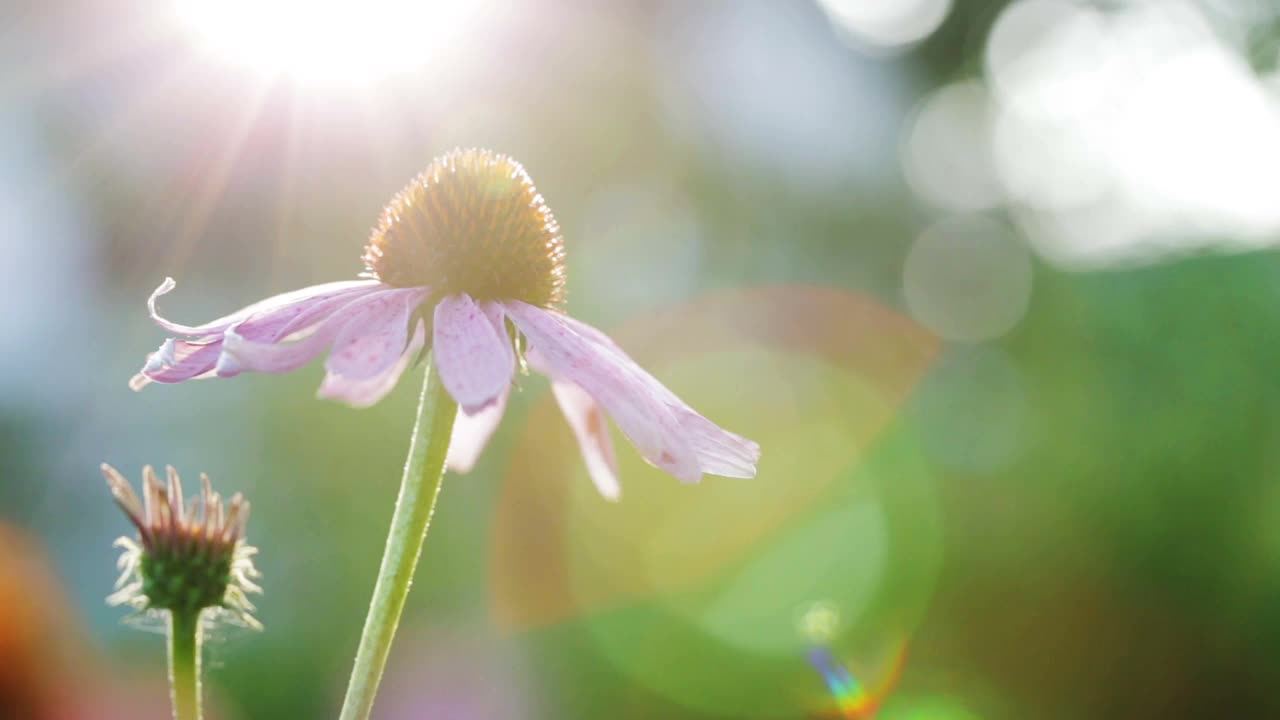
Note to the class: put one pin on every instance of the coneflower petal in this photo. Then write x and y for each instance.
(372, 342)
(368, 391)
(471, 434)
(296, 299)
(472, 355)
(720, 452)
(640, 412)
(586, 419)
(267, 321)
(178, 360)
(370, 308)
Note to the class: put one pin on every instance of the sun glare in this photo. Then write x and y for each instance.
(326, 42)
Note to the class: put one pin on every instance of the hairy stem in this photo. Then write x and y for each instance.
(184, 664)
(419, 488)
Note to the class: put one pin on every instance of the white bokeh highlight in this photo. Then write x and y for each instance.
(968, 279)
(947, 156)
(887, 23)
(1132, 135)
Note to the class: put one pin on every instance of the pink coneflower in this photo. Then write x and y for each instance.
(468, 259)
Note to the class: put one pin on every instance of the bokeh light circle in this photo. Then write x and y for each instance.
(819, 621)
(1048, 63)
(838, 553)
(1032, 40)
(971, 411)
(1046, 163)
(838, 556)
(968, 278)
(887, 24)
(947, 157)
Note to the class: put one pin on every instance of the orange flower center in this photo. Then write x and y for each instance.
(473, 223)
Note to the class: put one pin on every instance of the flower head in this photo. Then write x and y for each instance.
(187, 557)
(470, 223)
(468, 259)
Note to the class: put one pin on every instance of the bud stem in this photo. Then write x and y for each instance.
(184, 664)
(419, 488)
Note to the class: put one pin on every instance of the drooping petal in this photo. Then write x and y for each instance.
(282, 321)
(586, 418)
(720, 452)
(267, 321)
(472, 354)
(471, 433)
(368, 391)
(639, 411)
(241, 353)
(297, 299)
(373, 341)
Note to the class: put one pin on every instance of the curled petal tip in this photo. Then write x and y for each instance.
(164, 288)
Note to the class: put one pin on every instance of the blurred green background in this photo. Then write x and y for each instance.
(991, 283)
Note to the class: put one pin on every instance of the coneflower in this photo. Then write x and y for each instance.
(470, 252)
(468, 262)
(189, 561)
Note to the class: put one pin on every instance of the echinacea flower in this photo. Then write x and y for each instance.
(469, 260)
(187, 558)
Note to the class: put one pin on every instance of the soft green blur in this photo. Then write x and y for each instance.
(1025, 428)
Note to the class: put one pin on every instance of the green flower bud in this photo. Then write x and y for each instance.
(186, 559)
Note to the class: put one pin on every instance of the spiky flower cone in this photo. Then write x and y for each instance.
(189, 561)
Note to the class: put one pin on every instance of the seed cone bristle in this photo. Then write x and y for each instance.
(188, 556)
(472, 223)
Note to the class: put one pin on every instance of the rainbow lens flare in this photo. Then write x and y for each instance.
(855, 701)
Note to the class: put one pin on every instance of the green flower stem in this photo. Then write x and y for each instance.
(184, 664)
(419, 489)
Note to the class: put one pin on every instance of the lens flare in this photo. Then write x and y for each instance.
(710, 597)
(855, 701)
(828, 373)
